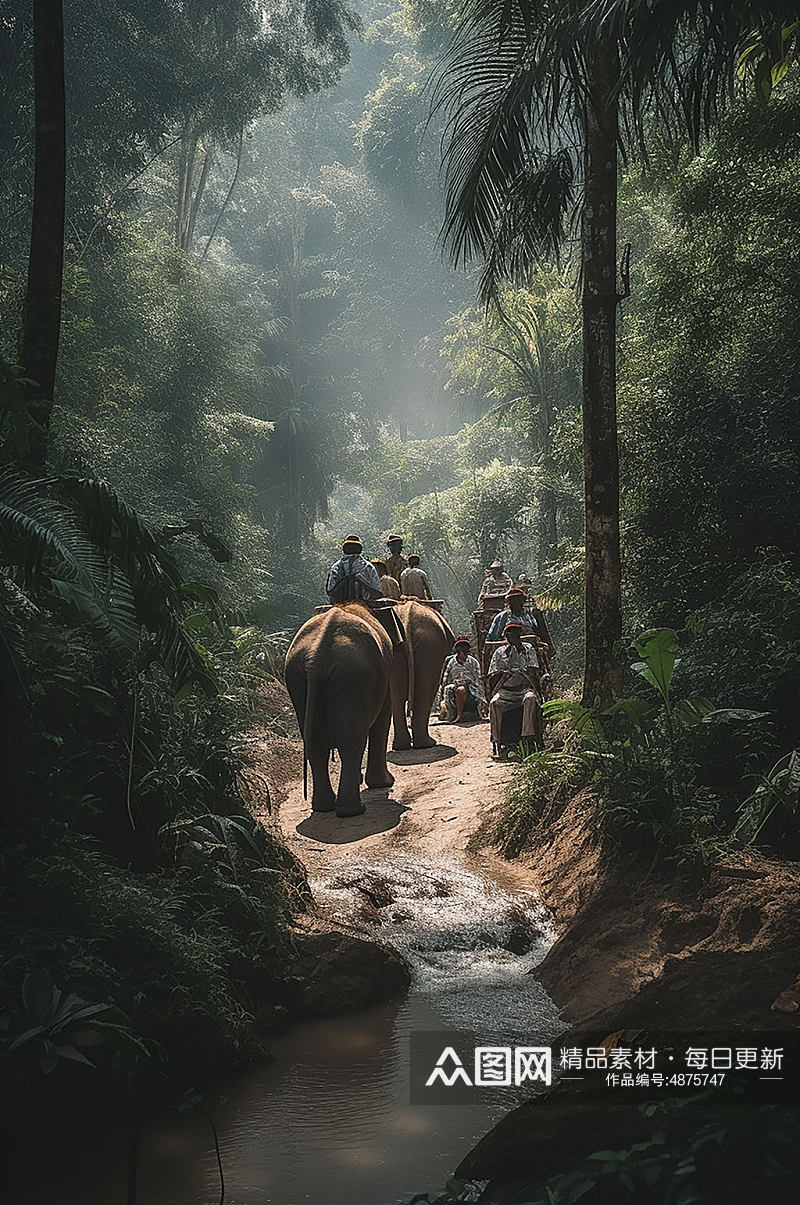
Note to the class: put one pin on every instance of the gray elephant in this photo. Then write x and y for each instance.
(416, 676)
(337, 673)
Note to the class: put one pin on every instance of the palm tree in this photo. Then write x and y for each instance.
(541, 96)
(532, 359)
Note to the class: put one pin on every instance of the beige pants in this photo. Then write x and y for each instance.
(508, 700)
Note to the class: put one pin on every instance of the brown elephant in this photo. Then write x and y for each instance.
(337, 673)
(416, 676)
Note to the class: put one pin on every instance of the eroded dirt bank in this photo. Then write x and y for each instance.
(667, 951)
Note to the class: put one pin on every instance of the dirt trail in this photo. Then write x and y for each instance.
(439, 800)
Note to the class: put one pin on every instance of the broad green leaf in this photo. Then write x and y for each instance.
(658, 649)
(75, 1056)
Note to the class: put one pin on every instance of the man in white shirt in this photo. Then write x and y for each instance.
(414, 581)
(513, 683)
(461, 684)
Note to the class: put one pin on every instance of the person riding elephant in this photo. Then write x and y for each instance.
(353, 576)
(338, 670)
(389, 585)
(395, 561)
(416, 676)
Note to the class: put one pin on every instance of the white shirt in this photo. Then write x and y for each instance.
(507, 657)
(457, 673)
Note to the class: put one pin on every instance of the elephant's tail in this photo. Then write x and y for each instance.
(308, 720)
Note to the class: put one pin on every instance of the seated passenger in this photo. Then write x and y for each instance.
(519, 607)
(395, 561)
(414, 581)
(462, 688)
(513, 683)
(496, 581)
(353, 577)
(389, 584)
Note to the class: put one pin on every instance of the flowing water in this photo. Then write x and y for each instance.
(327, 1120)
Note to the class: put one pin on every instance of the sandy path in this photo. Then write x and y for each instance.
(438, 801)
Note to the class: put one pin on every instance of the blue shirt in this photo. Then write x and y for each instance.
(527, 618)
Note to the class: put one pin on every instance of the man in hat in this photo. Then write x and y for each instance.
(395, 562)
(389, 585)
(518, 606)
(513, 683)
(414, 581)
(462, 687)
(496, 581)
(353, 577)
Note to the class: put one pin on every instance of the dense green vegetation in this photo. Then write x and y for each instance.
(262, 349)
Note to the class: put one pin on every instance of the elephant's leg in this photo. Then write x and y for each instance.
(399, 697)
(378, 774)
(322, 798)
(425, 686)
(348, 797)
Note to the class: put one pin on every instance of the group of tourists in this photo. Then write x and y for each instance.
(515, 671)
(395, 576)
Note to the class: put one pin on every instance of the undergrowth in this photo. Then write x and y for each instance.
(677, 781)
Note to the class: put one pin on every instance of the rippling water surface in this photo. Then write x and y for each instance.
(328, 1119)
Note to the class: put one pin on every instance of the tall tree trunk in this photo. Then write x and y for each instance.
(602, 671)
(41, 324)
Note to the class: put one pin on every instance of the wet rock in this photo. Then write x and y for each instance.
(339, 973)
(521, 939)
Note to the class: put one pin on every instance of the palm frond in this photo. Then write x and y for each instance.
(509, 82)
(682, 59)
(42, 529)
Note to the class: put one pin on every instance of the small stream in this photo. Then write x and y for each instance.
(327, 1120)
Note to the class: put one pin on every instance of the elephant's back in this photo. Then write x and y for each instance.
(426, 620)
(334, 630)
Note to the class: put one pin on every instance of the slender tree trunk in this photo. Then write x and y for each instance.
(548, 535)
(41, 324)
(197, 200)
(181, 189)
(228, 195)
(602, 670)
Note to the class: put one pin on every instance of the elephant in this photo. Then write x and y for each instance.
(416, 677)
(338, 669)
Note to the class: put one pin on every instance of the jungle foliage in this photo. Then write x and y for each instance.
(261, 350)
